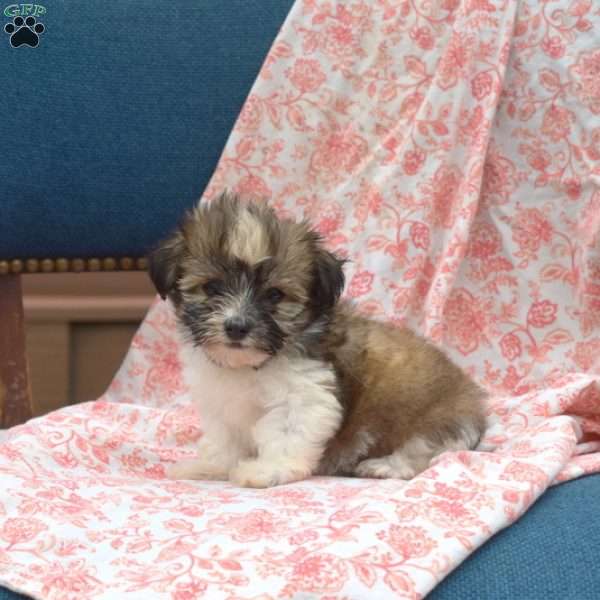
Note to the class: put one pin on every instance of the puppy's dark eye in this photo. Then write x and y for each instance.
(274, 295)
(214, 287)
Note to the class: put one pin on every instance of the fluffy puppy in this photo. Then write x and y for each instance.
(290, 382)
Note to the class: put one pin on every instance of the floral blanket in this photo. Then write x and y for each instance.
(451, 150)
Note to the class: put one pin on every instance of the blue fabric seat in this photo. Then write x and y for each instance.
(114, 123)
(551, 553)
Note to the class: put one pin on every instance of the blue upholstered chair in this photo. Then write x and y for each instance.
(111, 126)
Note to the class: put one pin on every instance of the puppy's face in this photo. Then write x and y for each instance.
(244, 284)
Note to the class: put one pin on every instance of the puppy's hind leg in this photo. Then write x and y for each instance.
(415, 456)
(393, 466)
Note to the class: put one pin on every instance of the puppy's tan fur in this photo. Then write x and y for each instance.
(384, 401)
(396, 387)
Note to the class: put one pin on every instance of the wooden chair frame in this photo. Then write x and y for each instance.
(15, 389)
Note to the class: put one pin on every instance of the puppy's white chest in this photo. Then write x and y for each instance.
(229, 396)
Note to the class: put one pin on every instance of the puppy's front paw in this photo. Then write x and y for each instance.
(195, 468)
(264, 474)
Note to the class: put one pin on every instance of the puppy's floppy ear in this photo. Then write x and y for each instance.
(164, 262)
(328, 279)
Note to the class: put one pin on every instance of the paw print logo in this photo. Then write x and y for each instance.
(24, 32)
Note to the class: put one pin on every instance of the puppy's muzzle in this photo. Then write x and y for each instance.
(237, 328)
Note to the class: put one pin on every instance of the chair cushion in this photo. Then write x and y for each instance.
(8, 595)
(114, 123)
(551, 553)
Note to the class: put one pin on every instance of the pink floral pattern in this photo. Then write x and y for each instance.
(451, 150)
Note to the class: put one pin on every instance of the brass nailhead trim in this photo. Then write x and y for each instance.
(47, 265)
(93, 264)
(75, 265)
(62, 265)
(78, 265)
(32, 265)
(126, 264)
(109, 264)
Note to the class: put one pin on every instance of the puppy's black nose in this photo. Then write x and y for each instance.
(237, 329)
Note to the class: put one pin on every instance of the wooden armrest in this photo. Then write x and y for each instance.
(16, 402)
(15, 393)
